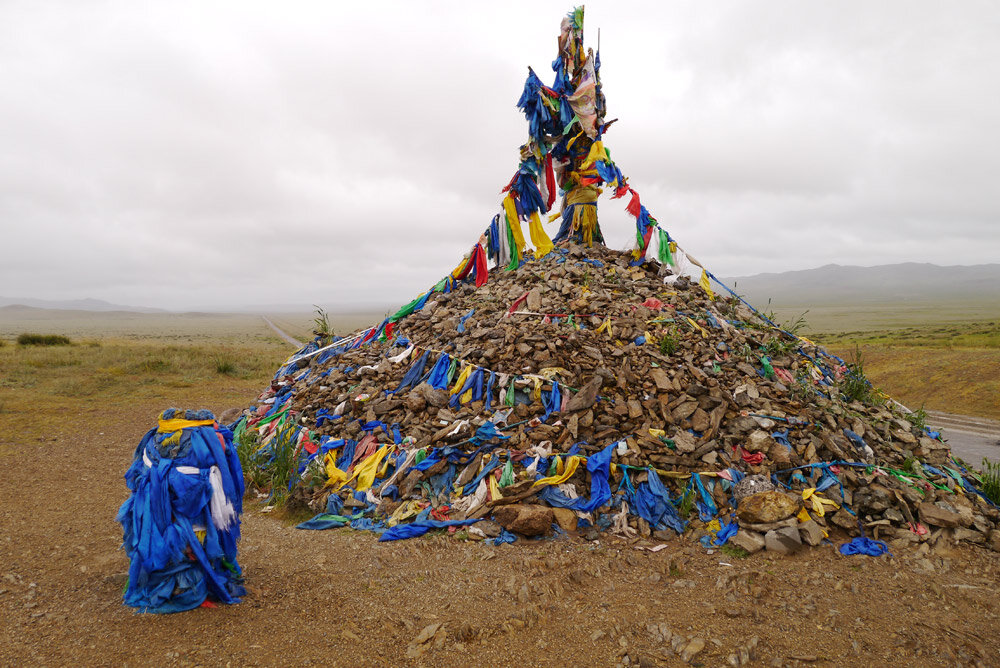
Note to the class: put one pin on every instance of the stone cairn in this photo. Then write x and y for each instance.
(739, 422)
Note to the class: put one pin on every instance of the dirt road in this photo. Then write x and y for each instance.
(281, 333)
(971, 438)
(340, 598)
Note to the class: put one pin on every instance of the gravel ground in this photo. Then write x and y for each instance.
(340, 598)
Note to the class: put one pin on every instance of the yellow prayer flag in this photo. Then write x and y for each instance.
(706, 285)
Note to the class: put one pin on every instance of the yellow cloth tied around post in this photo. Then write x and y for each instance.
(510, 211)
(584, 217)
(543, 245)
(571, 465)
(819, 504)
(176, 424)
(365, 472)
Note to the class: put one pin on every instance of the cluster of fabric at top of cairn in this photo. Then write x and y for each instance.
(581, 393)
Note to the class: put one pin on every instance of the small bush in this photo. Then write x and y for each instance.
(668, 344)
(745, 353)
(686, 504)
(321, 325)
(856, 385)
(283, 464)
(990, 477)
(28, 339)
(271, 468)
(247, 445)
(225, 366)
(918, 418)
(797, 325)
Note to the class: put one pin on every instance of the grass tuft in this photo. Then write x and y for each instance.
(668, 344)
(29, 339)
(856, 385)
(686, 504)
(321, 325)
(225, 366)
(734, 551)
(990, 477)
(918, 418)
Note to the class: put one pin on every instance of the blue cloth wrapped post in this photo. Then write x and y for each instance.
(182, 519)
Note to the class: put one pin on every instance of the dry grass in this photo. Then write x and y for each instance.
(40, 387)
(124, 360)
(952, 368)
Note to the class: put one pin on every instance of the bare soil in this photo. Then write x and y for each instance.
(341, 598)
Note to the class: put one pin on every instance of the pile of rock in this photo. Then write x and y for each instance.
(548, 365)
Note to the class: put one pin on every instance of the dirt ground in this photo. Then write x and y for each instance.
(340, 598)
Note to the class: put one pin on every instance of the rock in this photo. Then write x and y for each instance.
(415, 402)
(489, 528)
(937, 514)
(751, 541)
(426, 634)
(661, 379)
(783, 541)
(759, 441)
(961, 534)
(700, 420)
(534, 301)
(766, 507)
(691, 650)
(746, 394)
(780, 455)
(963, 506)
(770, 526)
(565, 518)
(230, 415)
(685, 410)
(684, 441)
(993, 540)
(845, 520)
(751, 484)
(742, 425)
(527, 520)
(586, 397)
(811, 533)
(433, 397)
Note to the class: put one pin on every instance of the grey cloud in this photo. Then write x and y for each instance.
(178, 154)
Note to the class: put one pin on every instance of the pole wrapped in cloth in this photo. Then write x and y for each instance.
(182, 519)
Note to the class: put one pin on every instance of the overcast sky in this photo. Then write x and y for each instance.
(189, 154)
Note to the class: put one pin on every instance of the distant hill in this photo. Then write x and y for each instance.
(910, 283)
(76, 305)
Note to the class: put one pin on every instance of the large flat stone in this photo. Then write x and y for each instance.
(783, 541)
(765, 507)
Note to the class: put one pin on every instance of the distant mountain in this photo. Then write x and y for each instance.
(907, 283)
(76, 305)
